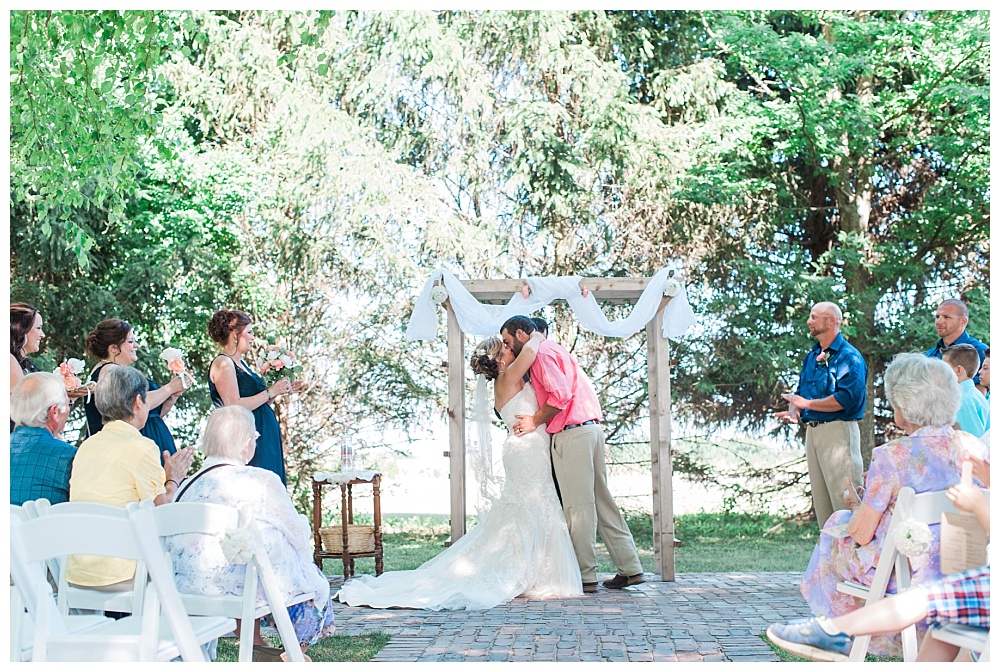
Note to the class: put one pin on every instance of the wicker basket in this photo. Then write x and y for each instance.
(360, 538)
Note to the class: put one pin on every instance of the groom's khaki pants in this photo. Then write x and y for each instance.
(578, 459)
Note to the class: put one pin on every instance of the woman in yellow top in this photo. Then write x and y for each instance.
(117, 466)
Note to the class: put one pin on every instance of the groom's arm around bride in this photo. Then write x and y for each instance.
(569, 407)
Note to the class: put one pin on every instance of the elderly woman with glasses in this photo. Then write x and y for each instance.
(924, 396)
(200, 567)
(118, 466)
(113, 342)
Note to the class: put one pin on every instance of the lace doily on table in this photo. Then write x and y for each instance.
(338, 477)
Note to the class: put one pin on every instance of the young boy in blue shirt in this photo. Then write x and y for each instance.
(974, 413)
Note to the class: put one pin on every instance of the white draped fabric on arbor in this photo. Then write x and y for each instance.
(481, 319)
(660, 305)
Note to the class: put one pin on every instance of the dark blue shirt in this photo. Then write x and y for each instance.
(981, 348)
(40, 466)
(842, 373)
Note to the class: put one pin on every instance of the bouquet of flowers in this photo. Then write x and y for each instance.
(69, 370)
(238, 545)
(913, 538)
(175, 362)
(276, 362)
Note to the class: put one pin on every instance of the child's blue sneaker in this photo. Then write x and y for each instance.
(808, 638)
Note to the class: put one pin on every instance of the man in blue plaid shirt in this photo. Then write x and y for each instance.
(40, 461)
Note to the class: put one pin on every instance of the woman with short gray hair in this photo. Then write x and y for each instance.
(922, 391)
(924, 395)
(117, 466)
(228, 442)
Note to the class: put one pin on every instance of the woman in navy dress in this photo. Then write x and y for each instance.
(114, 344)
(230, 381)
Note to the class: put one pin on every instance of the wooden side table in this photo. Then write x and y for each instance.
(346, 481)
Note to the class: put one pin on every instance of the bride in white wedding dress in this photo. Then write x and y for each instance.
(521, 546)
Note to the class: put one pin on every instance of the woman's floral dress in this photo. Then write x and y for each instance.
(201, 568)
(927, 460)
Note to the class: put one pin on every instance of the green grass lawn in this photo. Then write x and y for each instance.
(710, 542)
(338, 649)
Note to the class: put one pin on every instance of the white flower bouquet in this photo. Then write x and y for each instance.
(439, 294)
(913, 538)
(238, 545)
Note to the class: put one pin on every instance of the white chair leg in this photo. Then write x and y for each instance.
(909, 636)
(859, 649)
(17, 616)
(246, 639)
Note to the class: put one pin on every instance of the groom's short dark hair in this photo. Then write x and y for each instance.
(518, 322)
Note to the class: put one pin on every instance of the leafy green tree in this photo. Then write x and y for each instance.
(857, 170)
(84, 97)
(313, 167)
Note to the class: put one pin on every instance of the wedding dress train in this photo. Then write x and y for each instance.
(521, 546)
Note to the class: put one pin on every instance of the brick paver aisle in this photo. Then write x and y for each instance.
(699, 617)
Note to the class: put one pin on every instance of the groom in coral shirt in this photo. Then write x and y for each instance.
(571, 413)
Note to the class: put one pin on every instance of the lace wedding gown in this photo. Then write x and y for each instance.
(520, 547)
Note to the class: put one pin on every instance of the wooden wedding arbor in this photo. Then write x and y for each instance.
(612, 290)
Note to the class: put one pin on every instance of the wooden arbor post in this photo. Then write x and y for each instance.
(613, 290)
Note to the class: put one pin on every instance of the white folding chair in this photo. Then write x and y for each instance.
(215, 520)
(78, 598)
(925, 507)
(965, 638)
(21, 626)
(133, 638)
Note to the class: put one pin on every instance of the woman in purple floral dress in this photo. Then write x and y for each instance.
(924, 395)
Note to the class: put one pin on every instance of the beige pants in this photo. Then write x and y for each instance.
(578, 459)
(833, 452)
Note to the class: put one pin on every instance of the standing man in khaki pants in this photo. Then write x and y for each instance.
(830, 399)
(569, 408)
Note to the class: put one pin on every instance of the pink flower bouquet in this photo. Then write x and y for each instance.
(69, 370)
(175, 362)
(276, 362)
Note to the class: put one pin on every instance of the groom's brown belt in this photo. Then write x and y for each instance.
(581, 424)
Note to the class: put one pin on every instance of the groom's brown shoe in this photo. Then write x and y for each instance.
(620, 581)
(590, 587)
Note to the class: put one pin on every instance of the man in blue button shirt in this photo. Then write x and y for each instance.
(830, 399)
(950, 321)
(40, 461)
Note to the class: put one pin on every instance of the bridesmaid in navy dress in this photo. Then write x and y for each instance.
(230, 381)
(114, 344)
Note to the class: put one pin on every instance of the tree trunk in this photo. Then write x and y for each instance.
(852, 187)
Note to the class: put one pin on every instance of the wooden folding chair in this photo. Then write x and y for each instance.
(925, 507)
(133, 638)
(215, 520)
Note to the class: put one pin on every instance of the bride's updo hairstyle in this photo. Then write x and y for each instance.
(225, 322)
(484, 358)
